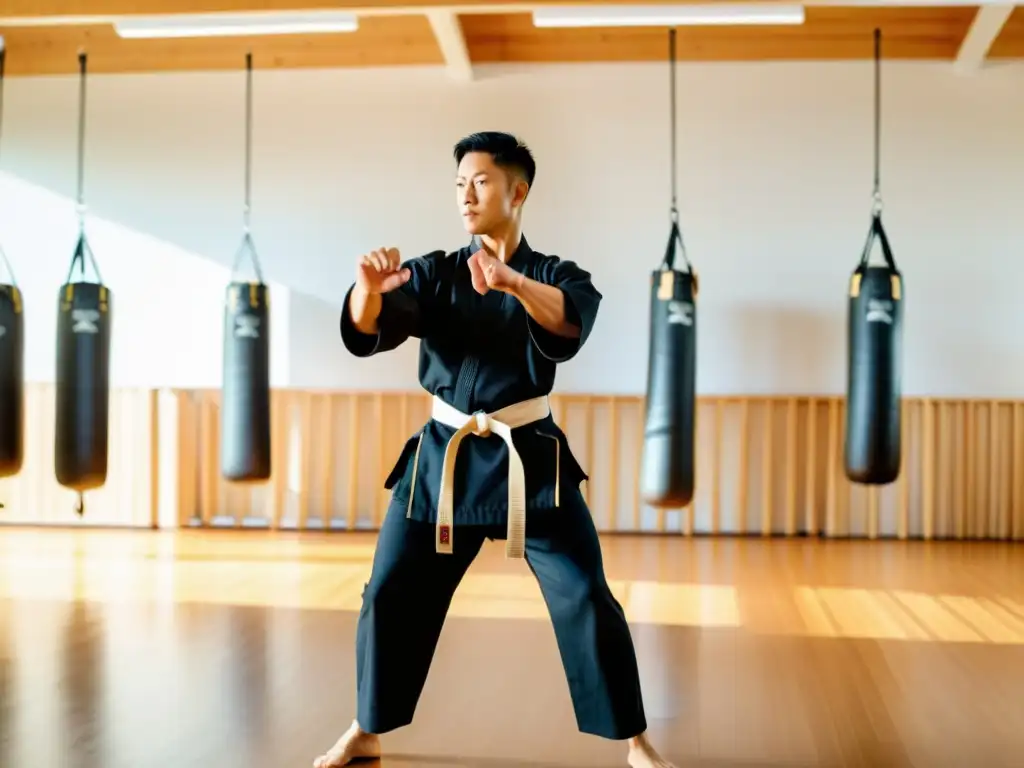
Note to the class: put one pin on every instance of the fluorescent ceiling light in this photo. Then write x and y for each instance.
(667, 15)
(240, 24)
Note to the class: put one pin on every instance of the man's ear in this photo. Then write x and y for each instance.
(522, 190)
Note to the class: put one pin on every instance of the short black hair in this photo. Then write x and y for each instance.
(508, 152)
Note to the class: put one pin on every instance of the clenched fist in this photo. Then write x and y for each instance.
(380, 271)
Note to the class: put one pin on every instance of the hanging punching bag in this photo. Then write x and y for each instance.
(667, 465)
(12, 357)
(12, 378)
(83, 356)
(874, 386)
(83, 379)
(245, 394)
(245, 391)
(874, 373)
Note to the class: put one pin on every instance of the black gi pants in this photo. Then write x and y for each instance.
(410, 590)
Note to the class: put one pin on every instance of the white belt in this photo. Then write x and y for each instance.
(501, 423)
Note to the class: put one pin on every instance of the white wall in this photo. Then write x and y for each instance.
(168, 304)
(775, 179)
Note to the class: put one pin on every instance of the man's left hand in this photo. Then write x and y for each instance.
(488, 271)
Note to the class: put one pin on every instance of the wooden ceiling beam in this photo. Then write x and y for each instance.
(988, 23)
(448, 31)
(44, 12)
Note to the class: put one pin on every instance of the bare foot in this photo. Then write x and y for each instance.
(355, 744)
(643, 755)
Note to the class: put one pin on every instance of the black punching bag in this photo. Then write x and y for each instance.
(83, 379)
(12, 360)
(875, 371)
(245, 393)
(667, 467)
(12, 379)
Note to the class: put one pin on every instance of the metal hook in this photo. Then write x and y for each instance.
(80, 505)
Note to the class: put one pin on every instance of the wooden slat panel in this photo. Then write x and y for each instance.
(735, 451)
(78, 8)
(829, 33)
(1010, 42)
(398, 38)
(961, 471)
(129, 496)
(380, 41)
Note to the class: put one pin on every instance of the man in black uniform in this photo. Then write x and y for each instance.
(493, 320)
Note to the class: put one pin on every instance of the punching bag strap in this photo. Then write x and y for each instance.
(6, 267)
(248, 246)
(877, 230)
(675, 243)
(82, 250)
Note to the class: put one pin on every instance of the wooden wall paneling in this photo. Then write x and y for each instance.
(765, 466)
(127, 498)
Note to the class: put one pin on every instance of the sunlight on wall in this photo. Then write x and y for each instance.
(167, 301)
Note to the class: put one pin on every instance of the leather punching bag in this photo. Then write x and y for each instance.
(84, 316)
(12, 380)
(12, 359)
(245, 390)
(245, 394)
(667, 469)
(873, 450)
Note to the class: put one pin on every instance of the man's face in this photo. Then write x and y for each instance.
(487, 196)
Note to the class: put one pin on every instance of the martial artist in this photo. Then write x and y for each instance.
(493, 319)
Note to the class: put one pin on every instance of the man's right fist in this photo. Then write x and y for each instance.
(380, 271)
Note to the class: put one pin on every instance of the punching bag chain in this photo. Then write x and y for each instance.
(3, 65)
(675, 238)
(674, 212)
(82, 249)
(247, 243)
(248, 141)
(3, 256)
(877, 192)
(81, 140)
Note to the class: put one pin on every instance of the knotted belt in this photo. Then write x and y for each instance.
(501, 423)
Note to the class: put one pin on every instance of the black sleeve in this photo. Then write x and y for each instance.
(582, 300)
(408, 311)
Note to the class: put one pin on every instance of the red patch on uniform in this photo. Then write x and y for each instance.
(445, 534)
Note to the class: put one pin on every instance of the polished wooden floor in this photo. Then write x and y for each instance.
(235, 650)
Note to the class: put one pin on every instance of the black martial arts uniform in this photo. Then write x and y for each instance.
(483, 353)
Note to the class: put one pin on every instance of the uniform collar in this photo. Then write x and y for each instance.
(523, 251)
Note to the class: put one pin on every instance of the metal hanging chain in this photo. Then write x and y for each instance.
(3, 67)
(82, 249)
(674, 212)
(877, 191)
(248, 140)
(3, 61)
(676, 235)
(247, 242)
(81, 139)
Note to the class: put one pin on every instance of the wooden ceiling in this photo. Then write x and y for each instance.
(44, 36)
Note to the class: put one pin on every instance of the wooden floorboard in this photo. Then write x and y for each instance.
(122, 649)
